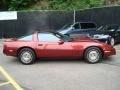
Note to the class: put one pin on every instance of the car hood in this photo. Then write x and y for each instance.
(100, 32)
(64, 31)
(90, 33)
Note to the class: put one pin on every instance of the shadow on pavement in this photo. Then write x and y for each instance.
(59, 61)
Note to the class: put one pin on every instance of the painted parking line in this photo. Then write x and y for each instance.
(9, 80)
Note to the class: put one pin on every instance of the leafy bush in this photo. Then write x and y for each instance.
(50, 4)
(74, 4)
(19, 4)
(96, 3)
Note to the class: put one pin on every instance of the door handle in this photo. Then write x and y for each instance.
(40, 44)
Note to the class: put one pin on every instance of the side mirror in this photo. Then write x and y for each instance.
(61, 42)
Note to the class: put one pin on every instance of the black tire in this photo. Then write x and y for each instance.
(92, 51)
(112, 41)
(30, 59)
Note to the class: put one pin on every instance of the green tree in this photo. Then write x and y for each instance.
(19, 4)
(50, 4)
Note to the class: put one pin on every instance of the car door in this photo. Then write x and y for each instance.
(50, 46)
(83, 29)
(75, 30)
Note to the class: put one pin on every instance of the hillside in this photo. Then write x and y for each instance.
(72, 4)
(54, 4)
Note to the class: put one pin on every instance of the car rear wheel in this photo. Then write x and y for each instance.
(93, 55)
(26, 56)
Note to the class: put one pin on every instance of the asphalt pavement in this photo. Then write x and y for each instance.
(64, 74)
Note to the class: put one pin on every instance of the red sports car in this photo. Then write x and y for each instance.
(56, 45)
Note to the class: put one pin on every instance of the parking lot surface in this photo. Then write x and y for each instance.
(64, 74)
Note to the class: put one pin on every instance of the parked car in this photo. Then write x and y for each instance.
(109, 34)
(56, 45)
(77, 28)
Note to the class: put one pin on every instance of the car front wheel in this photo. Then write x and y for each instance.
(112, 41)
(93, 55)
(26, 56)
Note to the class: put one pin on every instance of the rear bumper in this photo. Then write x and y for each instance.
(9, 52)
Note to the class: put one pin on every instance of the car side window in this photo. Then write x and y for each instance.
(26, 38)
(87, 25)
(48, 38)
(112, 28)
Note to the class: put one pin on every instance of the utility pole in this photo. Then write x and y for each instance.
(74, 16)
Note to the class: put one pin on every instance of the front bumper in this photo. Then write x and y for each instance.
(109, 52)
(102, 40)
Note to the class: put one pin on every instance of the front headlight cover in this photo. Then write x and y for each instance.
(100, 36)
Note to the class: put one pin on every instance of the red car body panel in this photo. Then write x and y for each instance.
(75, 48)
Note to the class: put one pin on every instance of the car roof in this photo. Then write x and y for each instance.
(85, 22)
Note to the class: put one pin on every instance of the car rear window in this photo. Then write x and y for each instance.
(26, 38)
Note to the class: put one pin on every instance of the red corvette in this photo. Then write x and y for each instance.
(56, 45)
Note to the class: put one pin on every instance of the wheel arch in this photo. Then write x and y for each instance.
(25, 47)
(96, 47)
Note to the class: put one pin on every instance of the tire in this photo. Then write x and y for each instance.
(112, 42)
(93, 55)
(26, 56)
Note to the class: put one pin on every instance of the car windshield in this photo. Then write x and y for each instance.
(65, 38)
(108, 28)
(66, 26)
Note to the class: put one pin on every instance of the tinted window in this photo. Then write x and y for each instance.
(87, 25)
(66, 26)
(118, 29)
(110, 28)
(26, 38)
(48, 37)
